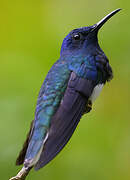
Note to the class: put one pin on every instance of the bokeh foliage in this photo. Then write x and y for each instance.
(31, 33)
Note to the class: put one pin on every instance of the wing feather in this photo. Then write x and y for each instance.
(66, 119)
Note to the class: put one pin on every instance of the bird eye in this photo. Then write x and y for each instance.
(76, 36)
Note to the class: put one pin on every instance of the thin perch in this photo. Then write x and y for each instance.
(22, 174)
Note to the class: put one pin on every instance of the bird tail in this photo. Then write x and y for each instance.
(32, 148)
(21, 156)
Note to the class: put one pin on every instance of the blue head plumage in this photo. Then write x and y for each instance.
(79, 41)
(83, 40)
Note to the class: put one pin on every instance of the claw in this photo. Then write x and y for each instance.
(88, 107)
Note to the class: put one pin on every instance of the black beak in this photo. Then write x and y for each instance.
(102, 21)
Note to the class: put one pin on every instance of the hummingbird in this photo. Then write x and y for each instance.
(68, 92)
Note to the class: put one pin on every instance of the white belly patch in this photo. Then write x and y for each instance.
(96, 92)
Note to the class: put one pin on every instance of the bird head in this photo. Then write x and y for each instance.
(83, 39)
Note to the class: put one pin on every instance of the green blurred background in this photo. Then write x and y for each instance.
(31, 33)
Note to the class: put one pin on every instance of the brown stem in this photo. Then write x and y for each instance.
(22, 174)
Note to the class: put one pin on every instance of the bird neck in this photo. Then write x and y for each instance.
(88, 51)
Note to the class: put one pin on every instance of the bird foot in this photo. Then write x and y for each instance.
(21, 175)
(88, 107)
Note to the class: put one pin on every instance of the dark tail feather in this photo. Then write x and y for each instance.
(21, 156)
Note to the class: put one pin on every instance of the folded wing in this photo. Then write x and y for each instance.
(66, 117)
